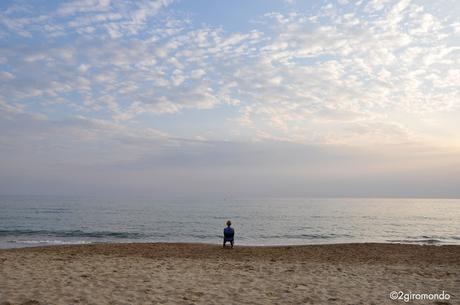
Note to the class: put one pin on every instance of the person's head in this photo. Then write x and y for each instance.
(229, 223)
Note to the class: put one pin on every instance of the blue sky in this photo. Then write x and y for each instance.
(237, 98)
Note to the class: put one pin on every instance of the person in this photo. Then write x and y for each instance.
(229, 233)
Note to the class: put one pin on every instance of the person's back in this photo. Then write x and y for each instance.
(229, 234)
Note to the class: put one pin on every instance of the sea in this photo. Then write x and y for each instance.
(27, 221)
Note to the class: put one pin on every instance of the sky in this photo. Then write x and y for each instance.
(262, 98)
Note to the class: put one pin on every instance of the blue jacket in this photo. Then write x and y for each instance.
(229, 233)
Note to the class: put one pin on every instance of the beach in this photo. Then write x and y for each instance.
(207, 274)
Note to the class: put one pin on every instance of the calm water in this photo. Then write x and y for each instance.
(32, 221)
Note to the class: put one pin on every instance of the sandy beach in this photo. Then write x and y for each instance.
(208, 274)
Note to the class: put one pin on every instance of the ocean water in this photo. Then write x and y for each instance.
(39, 220)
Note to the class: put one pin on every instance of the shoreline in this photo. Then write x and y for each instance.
(195, 273)
(219, 245)
(91, 243)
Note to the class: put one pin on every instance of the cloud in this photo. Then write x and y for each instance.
(5, 76)
(90, 156)
(84, 17)
(142, 85)
(349, 65)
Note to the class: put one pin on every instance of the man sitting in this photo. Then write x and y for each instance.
(228, 234)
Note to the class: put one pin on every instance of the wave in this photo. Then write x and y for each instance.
(415, 241)
(72, 233)
(305, 236)
(50, 242)
(52, 210)
(419, 240)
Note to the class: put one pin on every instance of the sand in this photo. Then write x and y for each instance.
(208, 274)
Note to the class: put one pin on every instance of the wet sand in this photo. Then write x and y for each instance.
(208, 274)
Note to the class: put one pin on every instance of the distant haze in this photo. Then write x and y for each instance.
(230, 98)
